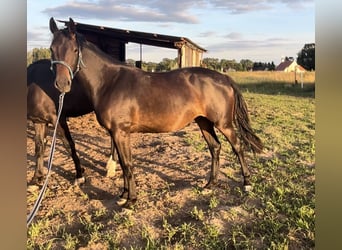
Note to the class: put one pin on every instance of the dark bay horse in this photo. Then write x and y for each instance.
(42, 106)
(128, 100)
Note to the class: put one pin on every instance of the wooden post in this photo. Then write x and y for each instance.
(301, 79)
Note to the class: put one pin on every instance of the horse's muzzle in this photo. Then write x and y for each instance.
(64, 86)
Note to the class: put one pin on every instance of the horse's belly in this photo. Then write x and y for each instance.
(165, 122)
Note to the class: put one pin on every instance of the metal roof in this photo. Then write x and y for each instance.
(126, 36)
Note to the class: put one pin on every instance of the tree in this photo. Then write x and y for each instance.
(211, 63)
(258, 66)
(167, 64)
(150, 66)
(37, 54)
(228, 65)
(261, 66)
(130, 62)
(246, 64)
(225, 65)
(306, 57)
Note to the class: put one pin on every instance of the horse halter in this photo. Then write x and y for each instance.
(78, 67)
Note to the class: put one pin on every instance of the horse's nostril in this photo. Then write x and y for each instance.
(58, 86)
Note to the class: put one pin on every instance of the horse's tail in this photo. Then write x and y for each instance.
(241, 120)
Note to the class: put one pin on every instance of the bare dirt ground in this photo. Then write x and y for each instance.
(169, 169)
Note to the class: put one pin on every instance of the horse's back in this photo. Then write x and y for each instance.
(192, 84)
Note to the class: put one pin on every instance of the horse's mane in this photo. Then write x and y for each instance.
(82, 41)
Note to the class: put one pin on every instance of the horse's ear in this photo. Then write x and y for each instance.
(53, 25)
(72, 26)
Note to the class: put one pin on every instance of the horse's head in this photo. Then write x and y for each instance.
(65, 54)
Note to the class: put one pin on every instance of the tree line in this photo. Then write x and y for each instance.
(225, 65)
(306, 58)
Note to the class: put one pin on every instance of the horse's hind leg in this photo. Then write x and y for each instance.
(231, 136)
(39, 140)
(208, 132)
(70, 146)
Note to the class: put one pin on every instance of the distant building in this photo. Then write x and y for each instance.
(288, 64)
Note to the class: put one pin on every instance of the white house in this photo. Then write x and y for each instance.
(289, 65)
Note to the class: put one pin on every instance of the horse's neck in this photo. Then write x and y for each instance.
(96, 68)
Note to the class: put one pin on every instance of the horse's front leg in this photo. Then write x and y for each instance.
(122, 143)
(69, 145)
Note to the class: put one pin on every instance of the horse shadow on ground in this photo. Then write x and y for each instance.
(147, 192)
(86, 142)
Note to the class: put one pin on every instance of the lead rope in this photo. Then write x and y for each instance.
(52, 151)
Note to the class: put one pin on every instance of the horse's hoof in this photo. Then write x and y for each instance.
(125, 203)
(247, 188)
(79, 181)
(121, 201)
(129, 204)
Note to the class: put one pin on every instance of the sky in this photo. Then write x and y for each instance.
(259, 30)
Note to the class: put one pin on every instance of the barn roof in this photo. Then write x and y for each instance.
(154, 39)
(283, 65)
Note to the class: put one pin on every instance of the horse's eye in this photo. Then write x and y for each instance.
(76, 50)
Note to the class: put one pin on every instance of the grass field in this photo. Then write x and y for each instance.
(284, 116)
(279, 213)
(273, 82)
